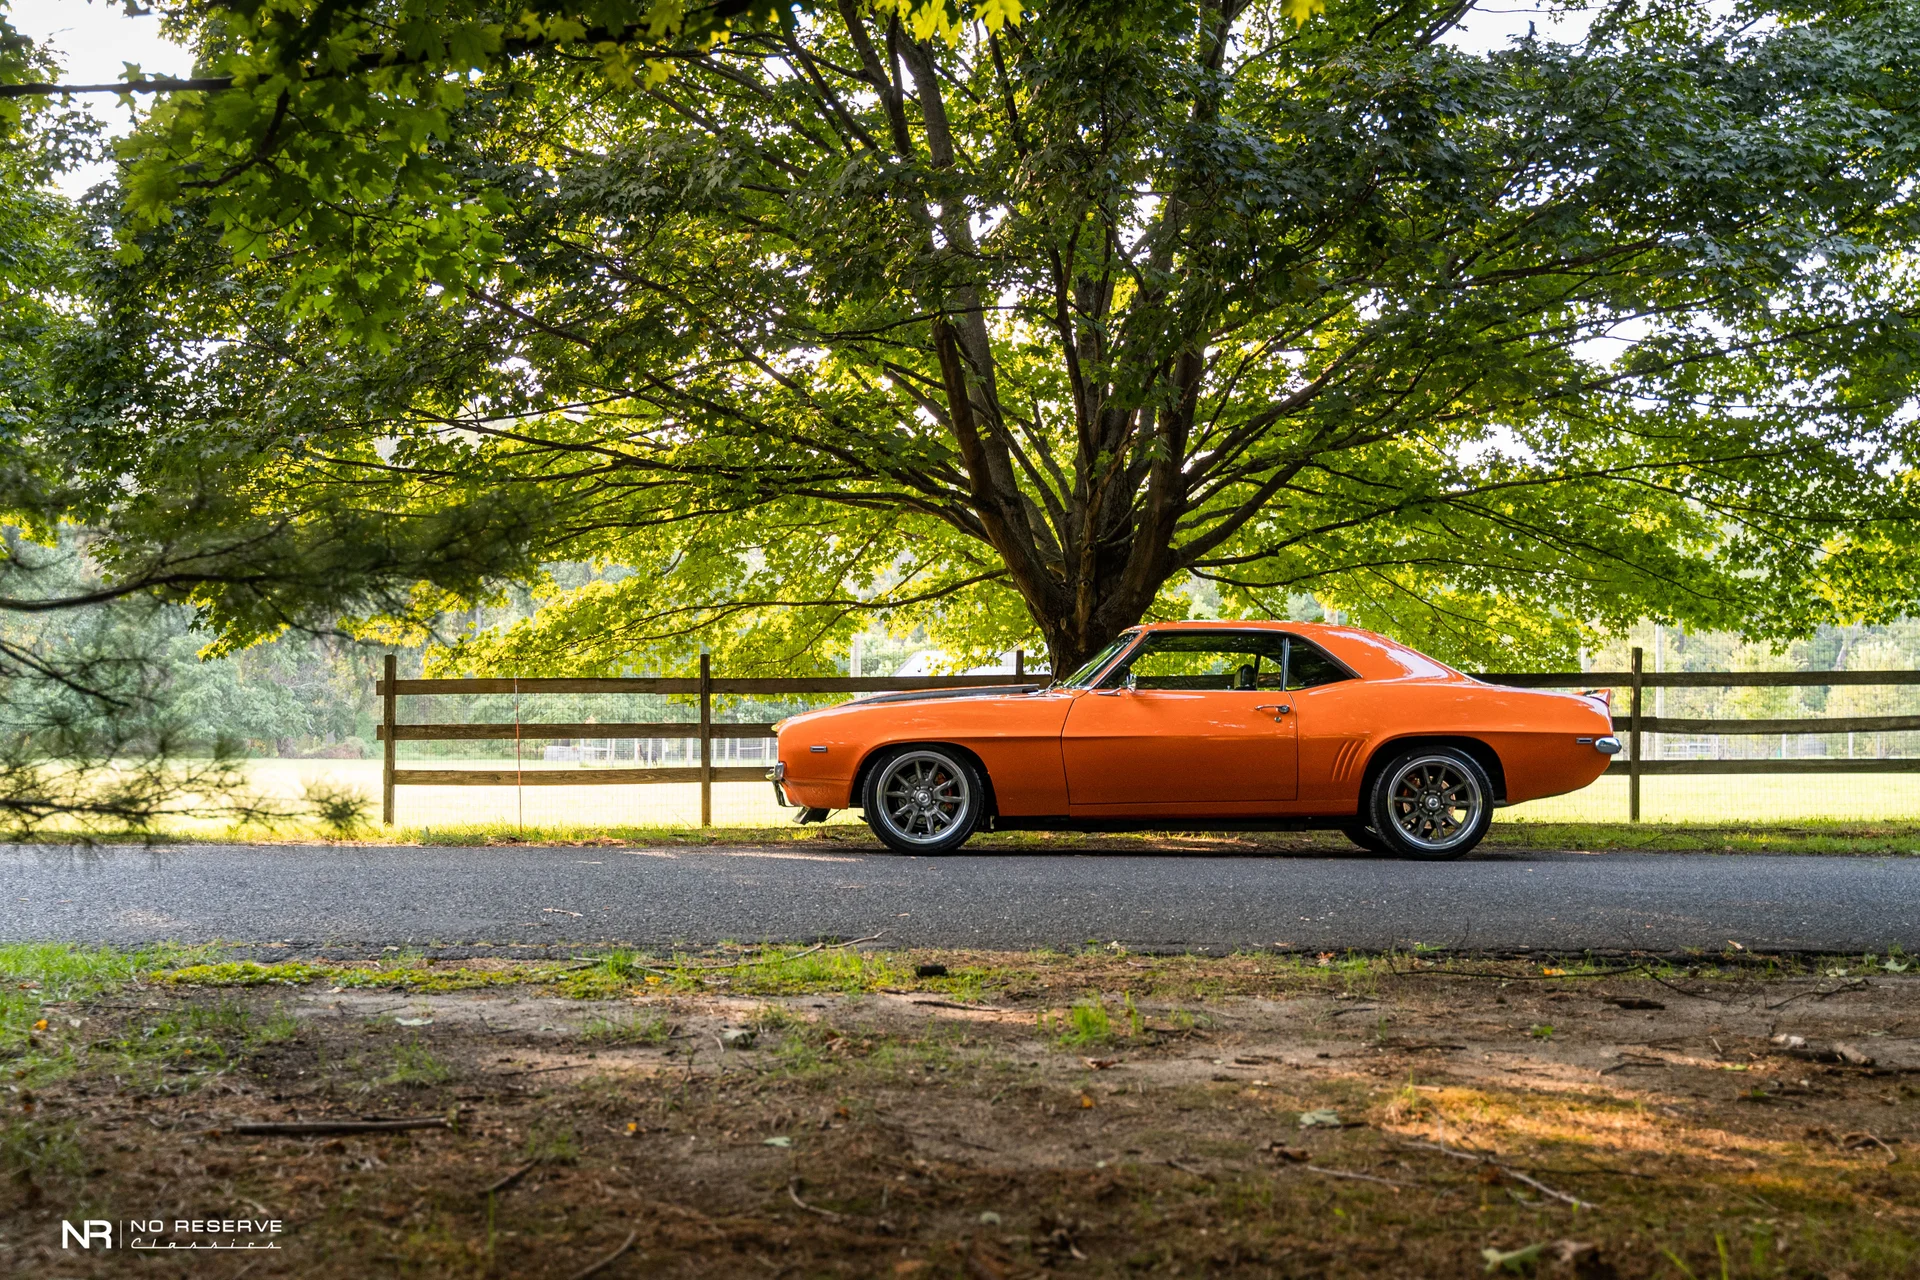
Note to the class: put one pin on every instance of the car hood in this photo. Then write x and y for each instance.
(919, 695)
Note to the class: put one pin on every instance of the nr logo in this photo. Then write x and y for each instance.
(90, 1231)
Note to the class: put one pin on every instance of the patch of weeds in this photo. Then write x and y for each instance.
(624, 965)
(1541, 1031)
(221, 1018)
(627, 1029)
(34, 1154)
(552, 1144)
(409, 972)
(279, 1027)
(186, 1042)
(1084, 1025)
(1185, 1020)
(243, 973)
(33, 974)
(1409, 1106)
(414, 1065)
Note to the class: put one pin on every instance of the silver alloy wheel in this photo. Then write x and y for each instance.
(923, 797)
(1435, 802)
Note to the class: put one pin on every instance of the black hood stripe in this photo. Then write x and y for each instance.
(942, 695)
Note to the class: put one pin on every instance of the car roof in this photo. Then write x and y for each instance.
(1370, 654)
(1241, 624)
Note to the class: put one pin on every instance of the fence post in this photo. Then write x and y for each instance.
(1633, 744)
(388, 702)
(706, 739)
(1019, 663)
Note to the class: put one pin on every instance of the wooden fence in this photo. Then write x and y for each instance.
(1634, 724)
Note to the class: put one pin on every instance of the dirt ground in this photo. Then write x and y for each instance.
(981, 1116)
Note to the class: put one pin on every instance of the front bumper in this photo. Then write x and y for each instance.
(777, 776)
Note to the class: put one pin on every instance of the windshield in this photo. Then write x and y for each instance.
(1084, 676)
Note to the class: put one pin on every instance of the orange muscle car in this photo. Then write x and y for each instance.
(1205, 725)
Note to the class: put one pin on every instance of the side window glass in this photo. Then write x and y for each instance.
(1198, 660)
(1307, 666)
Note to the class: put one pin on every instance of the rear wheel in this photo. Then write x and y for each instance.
(1432, 803)
(924, 799)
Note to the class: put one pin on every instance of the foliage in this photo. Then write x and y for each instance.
(1029, 326)
(89, 741)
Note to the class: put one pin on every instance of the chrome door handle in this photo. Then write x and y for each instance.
(1274, 707)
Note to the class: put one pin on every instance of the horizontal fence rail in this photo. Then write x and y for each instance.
(1635, 724)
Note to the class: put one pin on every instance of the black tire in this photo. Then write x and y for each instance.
(1430, 803)
(926, 799)
(1367, 838)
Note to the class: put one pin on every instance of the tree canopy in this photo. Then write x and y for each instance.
(1023, 324)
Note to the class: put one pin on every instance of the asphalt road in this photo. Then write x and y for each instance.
(365, 898)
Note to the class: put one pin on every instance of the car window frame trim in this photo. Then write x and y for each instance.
(1287, 638)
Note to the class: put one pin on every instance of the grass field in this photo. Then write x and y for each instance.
(1791, 814)
(1720, 800)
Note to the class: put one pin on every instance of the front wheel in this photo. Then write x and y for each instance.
(924, 799)
(1432, 803)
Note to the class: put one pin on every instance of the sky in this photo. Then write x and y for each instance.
(95, 40)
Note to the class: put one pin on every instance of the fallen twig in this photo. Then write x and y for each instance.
(1691, 995)
(1190, 1172)
(1477, 1158)
(1359, 1177)
(1854, 1141)
(512, 1178)
(608, 1261)
(1858, 984)
(954, 1004)
(539, 1071)
(299, 1128)
(1506, 977)
(793, 1193)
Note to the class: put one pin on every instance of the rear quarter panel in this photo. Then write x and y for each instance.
(1534, 734)
(1017, 738)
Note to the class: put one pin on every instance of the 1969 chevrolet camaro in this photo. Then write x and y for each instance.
(1203, 725)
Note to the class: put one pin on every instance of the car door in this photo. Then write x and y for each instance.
(1187, 718)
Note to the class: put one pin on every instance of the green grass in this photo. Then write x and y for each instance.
(1814, 836)
(414, 1065)
(1088, 1024)
(552, 1144)
(39, 1153)
(627, 1029)
(406, 976)
(35, 974)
